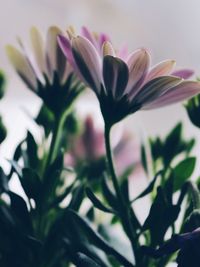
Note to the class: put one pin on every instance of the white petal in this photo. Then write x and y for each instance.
(88, 61)
(138, 64)
(38, 49)
(108, 49)
(55, 57)
(161, 69)
(22, 66)
(183, 91)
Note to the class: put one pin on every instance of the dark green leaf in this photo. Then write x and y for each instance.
(31, 183)
(97, 239)
(149, 188)
(85, 261)
(96, 202)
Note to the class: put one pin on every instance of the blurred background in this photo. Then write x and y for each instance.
(169, 29)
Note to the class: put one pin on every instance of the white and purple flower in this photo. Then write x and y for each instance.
(125, 84)
(45, 70)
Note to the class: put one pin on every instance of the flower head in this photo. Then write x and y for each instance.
(88, 147)
(125, 84)
(46, 71)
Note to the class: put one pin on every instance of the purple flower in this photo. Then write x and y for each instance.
(126, 84)
(89, 147)
(45, 70)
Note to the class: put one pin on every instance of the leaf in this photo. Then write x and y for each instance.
(85, 261)
(183, 171)
(149, 188)
(97, 239)
(172, 143)
(3, 181)
(32, 151)
(31, 183)
(108, 194)
(77, 197)
(96, 202)
(161, 216)
(19, 208)
(16, 167)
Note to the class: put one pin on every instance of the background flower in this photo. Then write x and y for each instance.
(45, 71)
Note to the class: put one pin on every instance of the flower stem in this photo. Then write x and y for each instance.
(124, 209)
(55, 141)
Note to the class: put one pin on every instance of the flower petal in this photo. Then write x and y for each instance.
(115, 74)
(108, 49)
(162, 69)
(155, 88)
(89, 35)
(88, 62)
(103, 37)
(182, 91)
(65, 45)
(38, 49)
(183, 73)
(22, 66)
(138, 64)
(54, 56)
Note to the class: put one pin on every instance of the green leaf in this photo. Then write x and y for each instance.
(32, 151)
(85, 261)
(3, 181)
(97, 240)
(183, 171)
(108, 194)
(161, 216)
(149, 188)
(172, 143)
(77, 197)
(96, 202)
(19, 208)
(31, 183)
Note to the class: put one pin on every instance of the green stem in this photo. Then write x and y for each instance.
(55, 141)
(123, 208)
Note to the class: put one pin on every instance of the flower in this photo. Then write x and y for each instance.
(88, 147)
(46, 71)
(126, 84)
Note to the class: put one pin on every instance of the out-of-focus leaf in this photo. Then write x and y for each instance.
(108, 194)
(161, 216)
(171, 144)
(3, 131)
(149, 188)
(77, 197)
(32, 151)
(2, 84)
(19, 208)
(183, 171)
(97, 239)
(85, 261)
(96, 202)
(3, 181)
(31, 183)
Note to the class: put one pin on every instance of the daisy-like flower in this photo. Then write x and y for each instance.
(45, 70)
(126, 84)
